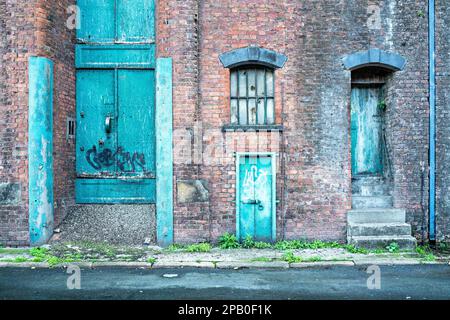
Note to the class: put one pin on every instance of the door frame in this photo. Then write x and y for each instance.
(273, 157)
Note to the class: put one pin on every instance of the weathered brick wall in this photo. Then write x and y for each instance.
(407, 110)
(57, 43)
(31, 28)
(17, 21)
(312, 103)
(443, 119)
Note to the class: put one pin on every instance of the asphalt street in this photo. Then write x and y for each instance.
(414, 282)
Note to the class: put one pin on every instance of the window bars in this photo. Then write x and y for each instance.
(252, 96)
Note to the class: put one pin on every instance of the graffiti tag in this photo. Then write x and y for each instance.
(125, 161)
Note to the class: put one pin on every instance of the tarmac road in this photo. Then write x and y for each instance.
(413, 282)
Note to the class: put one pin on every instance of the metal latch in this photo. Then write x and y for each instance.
(108, 124)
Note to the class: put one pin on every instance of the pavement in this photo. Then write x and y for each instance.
(397, 282)
(158, 258)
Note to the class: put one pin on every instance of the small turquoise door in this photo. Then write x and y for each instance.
(366, 131)
(256, 197)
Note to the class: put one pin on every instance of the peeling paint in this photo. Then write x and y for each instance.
(40, 150)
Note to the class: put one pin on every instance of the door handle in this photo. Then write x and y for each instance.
(254, 202)
(108, 126)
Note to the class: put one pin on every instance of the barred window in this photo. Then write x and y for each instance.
(252, 96)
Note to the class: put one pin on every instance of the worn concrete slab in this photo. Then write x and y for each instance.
(184, 264)
(388, 262)
(253, 265)
(322, 264)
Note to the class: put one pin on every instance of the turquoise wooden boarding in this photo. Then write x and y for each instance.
(366, 131)
(256, 212)
(117, 21)
(115, 61)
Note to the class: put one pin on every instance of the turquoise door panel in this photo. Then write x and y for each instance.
(136, 122)
(366, 131)
(97, 21)
(95, 103)
(135, 21)
(247, 168)
(263, 193)
(119, 21)
(255, 196)
(115, 191)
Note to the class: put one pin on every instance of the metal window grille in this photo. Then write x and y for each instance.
(70, 128)
(252, 96)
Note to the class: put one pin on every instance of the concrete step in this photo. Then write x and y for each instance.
(379, 215)
(379, 229)
(366, 180)
(379, 242)
(371, 190)
(371, 202)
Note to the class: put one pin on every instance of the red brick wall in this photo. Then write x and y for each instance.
(32, 28)
(312, 103)
(57, 43)
(443, 120)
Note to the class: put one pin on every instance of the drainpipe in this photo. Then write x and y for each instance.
(432, 88)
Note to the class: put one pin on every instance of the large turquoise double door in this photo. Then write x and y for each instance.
(115, 94)
(116, 136)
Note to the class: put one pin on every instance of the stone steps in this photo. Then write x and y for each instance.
(381, 242)
(370, 189)
(379, 229)
(378, 215)
(373, 222)
(371, 202)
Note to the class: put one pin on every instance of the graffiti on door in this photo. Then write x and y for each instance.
(255, 197)
(253, 178)
(125, 161)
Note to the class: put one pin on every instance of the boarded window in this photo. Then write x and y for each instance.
(252, 96)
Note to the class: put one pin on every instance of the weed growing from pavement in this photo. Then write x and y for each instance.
(262, 259)
(425, 253)
(13, 250)
(152, 260)
(200, 247)
(229, 241)
(175, 247)
(290, 257)
(393, 247)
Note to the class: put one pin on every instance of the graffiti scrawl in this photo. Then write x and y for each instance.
(253, 178)
(125, 161)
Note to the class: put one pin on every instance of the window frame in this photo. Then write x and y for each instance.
(235, 118)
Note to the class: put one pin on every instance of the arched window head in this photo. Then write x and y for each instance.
(252, 95)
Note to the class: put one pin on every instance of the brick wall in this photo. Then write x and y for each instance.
(407, 112)
(17, 43)
(312, 103)
(31, 28)
(443, 120)
(57, 43)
